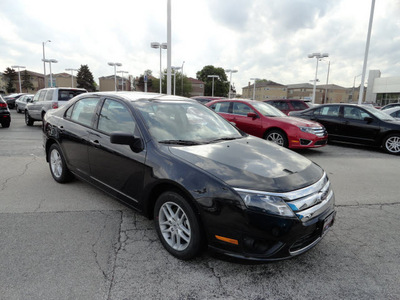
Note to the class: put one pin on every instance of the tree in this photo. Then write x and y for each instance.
(221, 86)
(10, 76)
(84, 79)
(187, 86)
(26, 82)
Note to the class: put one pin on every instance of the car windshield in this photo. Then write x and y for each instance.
(185, 123)
(268, 110)
(379, 114)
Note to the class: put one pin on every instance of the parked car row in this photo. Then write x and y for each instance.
(21, 102)
(356, 124)
(10, 99)
(265, 121)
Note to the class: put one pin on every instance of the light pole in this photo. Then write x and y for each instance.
(175, 69)
(122, 72)
(19, 75)
(50, 61)
(72, 75)
(354, 83)
(44, 63)
(230, 80)
(157, 45)
(212, 87)
(115, 65)
(254, 87)
(318, 56)
(182, 79)
(327, 80)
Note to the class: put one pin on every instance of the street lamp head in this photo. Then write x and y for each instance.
(255, 79)
(164, 45)
(155, 45)
(325, 55)
(17, 67)
(114, 64)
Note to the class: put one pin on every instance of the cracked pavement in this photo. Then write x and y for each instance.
(71, 241)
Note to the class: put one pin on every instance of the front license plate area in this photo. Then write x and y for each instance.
(328, 222)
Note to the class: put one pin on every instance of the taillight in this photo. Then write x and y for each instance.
(3, 105)
(55, 105)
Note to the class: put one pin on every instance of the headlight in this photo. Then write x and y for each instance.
(307, 129)
(265, 202)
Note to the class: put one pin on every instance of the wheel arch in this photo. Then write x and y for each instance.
(155, 191)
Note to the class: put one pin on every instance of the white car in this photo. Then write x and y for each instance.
(394, 112)
(46, 99)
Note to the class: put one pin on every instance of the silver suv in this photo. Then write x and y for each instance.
(46, 99)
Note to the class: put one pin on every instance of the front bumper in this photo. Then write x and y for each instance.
(265, 237)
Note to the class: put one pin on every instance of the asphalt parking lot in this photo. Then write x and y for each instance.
(72, 241)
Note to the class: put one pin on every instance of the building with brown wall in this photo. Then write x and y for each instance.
(107, 83)
(265, 90)
(197, 87)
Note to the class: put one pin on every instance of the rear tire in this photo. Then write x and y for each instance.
(5, 124)
(177, 226)
(391, 144)
(28, 120)
(58, 167)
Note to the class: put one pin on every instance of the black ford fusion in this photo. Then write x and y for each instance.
(202, 180)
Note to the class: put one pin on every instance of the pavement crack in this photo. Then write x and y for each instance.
(117, 248)
(26, 167)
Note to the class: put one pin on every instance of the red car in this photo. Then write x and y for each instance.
(288, 105)
(265, 121)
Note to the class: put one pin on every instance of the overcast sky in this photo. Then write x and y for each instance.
(264, 39)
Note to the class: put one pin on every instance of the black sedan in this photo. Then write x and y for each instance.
(202, 180)
(5, 116)
(356, 124)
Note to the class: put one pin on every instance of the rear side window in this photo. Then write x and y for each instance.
(65, 95)
(49, 95)
(241, 109)
(332, 111)
(280, 105)
(298, 105)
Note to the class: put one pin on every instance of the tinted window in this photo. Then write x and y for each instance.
(65, 95)
(114, 116)
(298, 105)
(84, 111)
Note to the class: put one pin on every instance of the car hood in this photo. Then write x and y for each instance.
(298, 121)
(252, 163)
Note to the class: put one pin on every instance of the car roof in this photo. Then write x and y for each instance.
(135, 96)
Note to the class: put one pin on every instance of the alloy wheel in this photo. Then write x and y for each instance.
(174, 226)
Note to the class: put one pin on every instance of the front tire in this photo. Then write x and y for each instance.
(391, 144)
(278, 137)
(58, 167)
(28, 120)
(177, 226)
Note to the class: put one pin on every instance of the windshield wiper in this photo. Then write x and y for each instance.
(225, 139)
(179, 142)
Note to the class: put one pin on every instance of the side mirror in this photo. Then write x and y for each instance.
(252, 115)
(368, 119)
(123, 138)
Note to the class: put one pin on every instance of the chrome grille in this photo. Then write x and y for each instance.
(319, 131)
